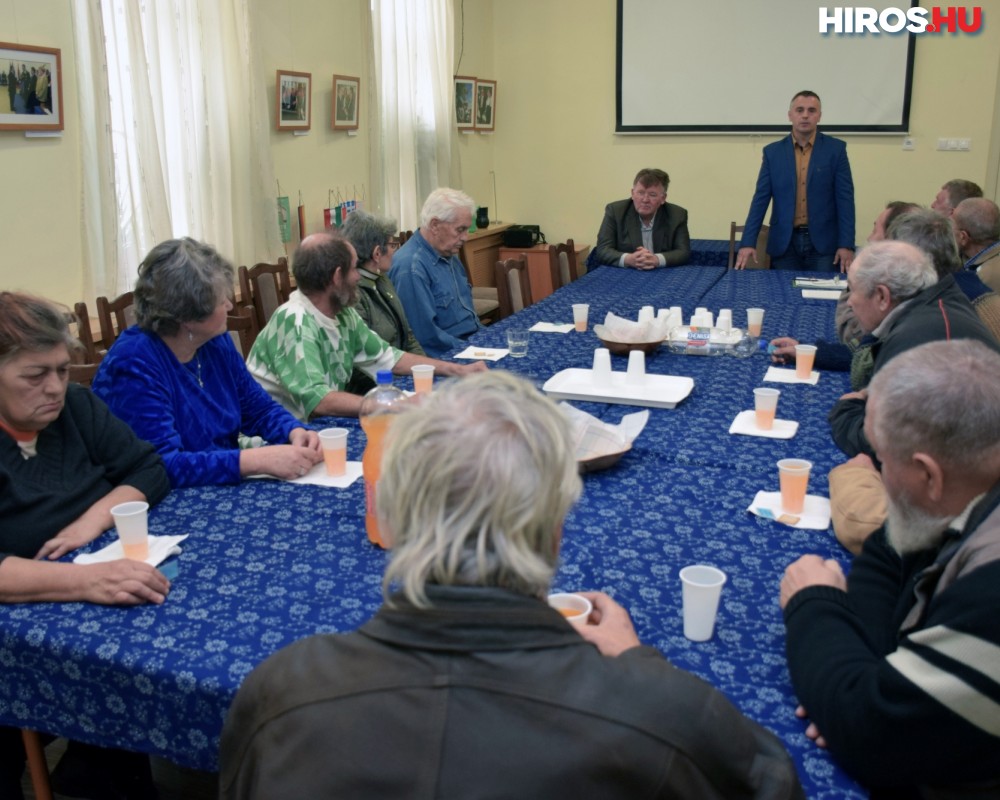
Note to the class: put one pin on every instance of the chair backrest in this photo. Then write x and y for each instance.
(242, 327)
(513, 285)
(562, 263)
(85, 335)
(114, 316)
(763, 259)
(404, 236)
(267, 286)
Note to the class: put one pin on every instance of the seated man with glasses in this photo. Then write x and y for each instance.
(645, 231)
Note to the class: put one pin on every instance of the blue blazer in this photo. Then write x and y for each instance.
(829, 194)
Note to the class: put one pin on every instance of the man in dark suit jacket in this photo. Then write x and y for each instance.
(645, 231)
(808, 177)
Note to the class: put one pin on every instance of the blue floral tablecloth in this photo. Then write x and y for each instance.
(269, 562)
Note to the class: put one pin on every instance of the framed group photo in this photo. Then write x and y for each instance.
(31, 88)
(465, 101)
(294, 100)
(346, 101)
(486, 105)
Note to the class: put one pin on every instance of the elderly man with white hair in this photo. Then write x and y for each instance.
(431, 280)
(897, 296)
(466, 683)
(896, 665)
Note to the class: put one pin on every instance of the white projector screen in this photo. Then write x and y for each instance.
(729, 66)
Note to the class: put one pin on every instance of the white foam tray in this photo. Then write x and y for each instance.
(656, 391)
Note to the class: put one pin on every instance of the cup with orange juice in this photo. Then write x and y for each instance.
(423, 378)
(755, 321)
(765, 406)
(575, 607)
(334, 442)
(805, 356)
(132, 523)
(793, 476)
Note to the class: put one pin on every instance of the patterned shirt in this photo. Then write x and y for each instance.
(302, 354)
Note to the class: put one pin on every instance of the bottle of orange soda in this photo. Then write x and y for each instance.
(378, 410)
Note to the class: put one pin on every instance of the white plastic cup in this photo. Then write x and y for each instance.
(636, 373)
(602, 367)
(132, 522)
(725, 319)
(676, 317)
(575, 607)
(334, 442)
(517, 342)
(755, 321)
(423, 378)
(646, 314)
(580, 311)
(663, 313)
(765, 403)
(805, 357)
(701, 589)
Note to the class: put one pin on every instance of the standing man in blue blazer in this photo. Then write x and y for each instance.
(808, 177)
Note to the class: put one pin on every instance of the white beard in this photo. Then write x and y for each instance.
(911, 529)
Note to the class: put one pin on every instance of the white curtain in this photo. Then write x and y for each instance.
(413, 47)
(175, 134)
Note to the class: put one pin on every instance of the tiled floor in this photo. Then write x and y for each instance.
(173, 782)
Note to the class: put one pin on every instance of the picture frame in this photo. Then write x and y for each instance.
(346, 103)
(33, 101)
(465, 101)
(293, 100)
(486, 105)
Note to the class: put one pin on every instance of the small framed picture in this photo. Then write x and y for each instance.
(465, 101)
(486, 105)
(346, 100)
(294, 100)
(31, 88)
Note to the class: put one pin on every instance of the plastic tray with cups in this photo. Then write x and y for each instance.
(703, 335)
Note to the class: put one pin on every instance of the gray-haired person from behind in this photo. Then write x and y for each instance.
(466, 683)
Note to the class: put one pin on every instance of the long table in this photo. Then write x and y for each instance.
(268, 562)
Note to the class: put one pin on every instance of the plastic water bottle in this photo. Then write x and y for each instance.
(378, 411)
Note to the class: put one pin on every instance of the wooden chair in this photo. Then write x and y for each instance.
(38, 768)
(513, 285)
(404, 236)
(114, 316)
(242, 326)
(763, 259)
(562, 263)
(85, 360)
(266, 286)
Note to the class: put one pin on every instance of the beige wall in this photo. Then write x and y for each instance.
(556, 157)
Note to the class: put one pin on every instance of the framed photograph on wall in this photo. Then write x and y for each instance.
(486, 105)
(31, 88)
(294, 101)
(346, 101)
(465, 101)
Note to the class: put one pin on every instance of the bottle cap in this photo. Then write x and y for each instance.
(383, 376)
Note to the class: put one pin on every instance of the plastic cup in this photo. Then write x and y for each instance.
(334, 442)
(793, 476)
(725, 319)
(646, 314)
(701, 589)
(755, 321)
(805, 355)
(423, 378)
(765, 403)
(517, 342)
(602, 367)
(636, 372)
(580, 316)
(132, 521)
(575, 607)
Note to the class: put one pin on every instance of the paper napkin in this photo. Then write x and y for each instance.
(552, 327)
(746, 423)
(815, 511)
(317, 476)
(160, 549)
(779, 375)
(483, 353)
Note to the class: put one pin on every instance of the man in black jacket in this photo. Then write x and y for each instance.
(896, 665)
(466, 683)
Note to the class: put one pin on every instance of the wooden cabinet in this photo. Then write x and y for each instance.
(481, 252)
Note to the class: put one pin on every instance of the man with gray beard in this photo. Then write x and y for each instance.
(898, 666)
